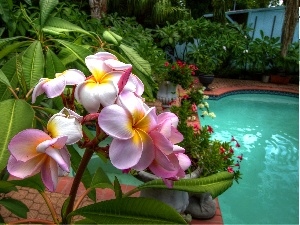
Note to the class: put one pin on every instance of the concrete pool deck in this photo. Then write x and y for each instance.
(38, 208)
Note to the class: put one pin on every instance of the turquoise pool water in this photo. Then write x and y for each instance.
(267, 127)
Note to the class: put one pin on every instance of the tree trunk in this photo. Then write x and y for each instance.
(289, 24)
(98, 8)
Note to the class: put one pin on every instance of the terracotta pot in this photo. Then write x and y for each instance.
(280, 79)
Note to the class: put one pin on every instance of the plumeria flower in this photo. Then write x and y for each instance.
(103, 87)
(170, 162)
(201, 106)
(55, 87)
(129, 123)
(66, 123)
(206, 104)
(33, 151)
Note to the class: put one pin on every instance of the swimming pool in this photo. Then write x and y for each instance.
(267, 127)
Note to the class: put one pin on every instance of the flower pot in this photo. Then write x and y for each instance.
(200, 206)
(167, 93)
(280, 79)
(265, 78)
(206, 80)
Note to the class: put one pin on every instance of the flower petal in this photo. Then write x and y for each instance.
(25, 169)
(60, 125)
(116, 122)
(57, 157)
(38, 89)
(73, 76)
(49, 174)
(184, 161)
(125, 154)
(161, 142)
(23, 145)
(117, 65)
(91, 95)
(54, 87)
(147, 152)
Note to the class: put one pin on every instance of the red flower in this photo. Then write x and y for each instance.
(231, 150)
(240, 157)
(229, 169)
(210, 129)
(194, 107)
(167, 64)
(222, 150)
(196, 127)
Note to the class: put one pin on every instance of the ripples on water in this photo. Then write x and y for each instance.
(266, 126)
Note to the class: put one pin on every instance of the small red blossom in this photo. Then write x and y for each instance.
(210, 129)
(229, 169)
(196, 127)
(167, 64)
(240, 157)
(237, 145)
(222, 150)
(231, 150)
(194, 107)
(238, 164)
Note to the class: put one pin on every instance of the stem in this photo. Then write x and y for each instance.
(50, 206)
(32, 221)
(131, 192)
(88, 153)
(13, 92)
(81, 198)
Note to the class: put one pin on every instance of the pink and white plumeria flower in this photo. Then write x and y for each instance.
(170, 162)
(129, 123)
(55, 87)
(103, 87)
(33, 151)
(66, 123)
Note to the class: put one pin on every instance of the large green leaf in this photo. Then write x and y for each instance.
(87, 177)
(12, 47)
(6, 186)
(15, 206)
(16, 115)
(3, 79)
(101, 180)
(9, 69)
(136, 60)
(34, 182)
(77, 50)
(46, 7)
(130, 211)
(215, 184)
(55, 24)
(33, 64)
(53, 64)
(4, 41)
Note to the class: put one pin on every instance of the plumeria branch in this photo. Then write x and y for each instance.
(50, 206)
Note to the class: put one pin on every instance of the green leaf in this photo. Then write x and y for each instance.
(6, 186)
(80, 52)
(15, 206)
(101, 180)
(215, 184)
(4, 41)
(4, 80)
(118, 189)
(34, 182)
(130, 211)
(46, 7)
(64, 207)
(87, 177)
(53, 64)
(59, 25)
(33, 64)
(12, 47)
(16, 115)
(9, 69)
(136, 60)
